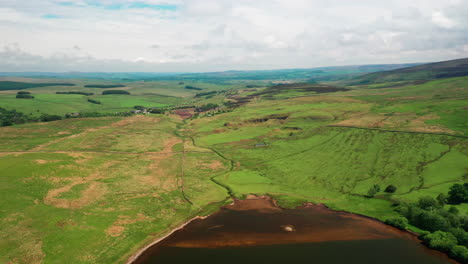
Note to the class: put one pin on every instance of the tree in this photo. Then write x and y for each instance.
(441, 240)
(459, 253)
(427, 202)
(431, 221)
(7, 123)
(442, 198)
(373, 190)
(461, 235)
(458, 194)
(390, 189)
(453, 210)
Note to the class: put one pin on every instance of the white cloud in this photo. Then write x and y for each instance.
(10, 15)
(442, 21)
(210, 35)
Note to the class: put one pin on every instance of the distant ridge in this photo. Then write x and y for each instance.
(307, 74)
(430, 71)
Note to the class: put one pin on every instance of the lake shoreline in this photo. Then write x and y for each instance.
(141, 251)
(268, 204)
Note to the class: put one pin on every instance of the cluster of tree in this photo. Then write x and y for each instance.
(11, 117)
(207, 94)
(229, 104)
(445, 226)
(24, 95)
(104, 86)
(75, 92)
(376, 189)
(115, 92)
(94, 101)
(48, 118)
(193, 88)
(9, 85)
(206, 107)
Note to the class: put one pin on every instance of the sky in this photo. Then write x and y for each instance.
(219, 35)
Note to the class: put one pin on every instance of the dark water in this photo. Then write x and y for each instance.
(255, 231)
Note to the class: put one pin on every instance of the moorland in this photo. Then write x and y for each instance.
(93, 169)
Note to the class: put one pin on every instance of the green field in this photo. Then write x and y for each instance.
(95, 190)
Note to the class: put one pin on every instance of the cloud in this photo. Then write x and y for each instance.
(210, 35)
(442, 21)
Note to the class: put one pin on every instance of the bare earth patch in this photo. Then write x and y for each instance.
(158, 175)
(115, 231)
(213, 165)
(419, 124)
(117, 228)
(93, 192)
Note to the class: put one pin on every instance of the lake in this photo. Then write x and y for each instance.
(257, 231)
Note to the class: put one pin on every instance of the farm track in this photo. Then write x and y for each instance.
(182, 175)
(231, 168)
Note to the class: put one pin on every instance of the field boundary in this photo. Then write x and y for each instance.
(400, 131)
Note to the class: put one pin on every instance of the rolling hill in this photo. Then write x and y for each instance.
(430, 71)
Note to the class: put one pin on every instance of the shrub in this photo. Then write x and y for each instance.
(459, 253)
(24, 96)
(48, 118)
(373, 190)
(453, 210)
(390, 189)
(440, 240)
(93, 101)
(157, 111)
(23, 92)
(399, 222)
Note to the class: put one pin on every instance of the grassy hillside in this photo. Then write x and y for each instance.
(105, 186)
(437, 70)
(108, 186)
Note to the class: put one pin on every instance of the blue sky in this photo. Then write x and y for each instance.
(216, 35)
(120, 5)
